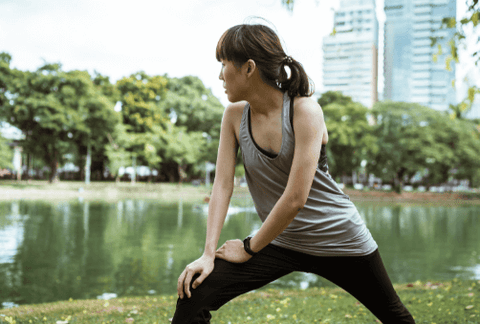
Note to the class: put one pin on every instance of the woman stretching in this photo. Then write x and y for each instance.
(309, 224)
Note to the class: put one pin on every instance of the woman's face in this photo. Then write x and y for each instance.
(233, 81)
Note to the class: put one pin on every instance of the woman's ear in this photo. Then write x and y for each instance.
(250, 66)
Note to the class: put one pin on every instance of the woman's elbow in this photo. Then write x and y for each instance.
(297, 202)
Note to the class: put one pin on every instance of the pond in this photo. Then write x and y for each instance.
(79, 249)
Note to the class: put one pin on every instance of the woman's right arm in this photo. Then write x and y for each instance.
(220, 199)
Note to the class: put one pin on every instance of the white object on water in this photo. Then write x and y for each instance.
(9, 305)
(107, 296)
(358, 186)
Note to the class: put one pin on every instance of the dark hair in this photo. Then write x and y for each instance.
(261, 44)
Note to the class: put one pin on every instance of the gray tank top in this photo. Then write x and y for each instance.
(328, 225)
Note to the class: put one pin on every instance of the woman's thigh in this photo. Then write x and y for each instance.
(229, 280)
(366, 279)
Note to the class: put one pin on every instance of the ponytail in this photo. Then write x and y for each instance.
(261, 44)
(298, 84)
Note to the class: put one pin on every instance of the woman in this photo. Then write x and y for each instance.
(309, 224)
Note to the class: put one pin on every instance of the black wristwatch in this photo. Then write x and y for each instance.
(246, 246)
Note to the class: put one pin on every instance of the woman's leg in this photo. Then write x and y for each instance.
(229, 280)
(366, 279)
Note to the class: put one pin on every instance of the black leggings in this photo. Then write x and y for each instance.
(364, 277)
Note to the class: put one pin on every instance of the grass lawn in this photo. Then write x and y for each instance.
(449, 302)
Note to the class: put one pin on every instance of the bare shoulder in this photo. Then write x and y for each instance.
(306, 107)
(233, 112)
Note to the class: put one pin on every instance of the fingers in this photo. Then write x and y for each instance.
(183, 285)
(180, 284)
(200, 279)
(186, 283)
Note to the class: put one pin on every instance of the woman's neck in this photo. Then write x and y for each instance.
(265, 99)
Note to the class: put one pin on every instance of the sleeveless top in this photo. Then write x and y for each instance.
(329, 224)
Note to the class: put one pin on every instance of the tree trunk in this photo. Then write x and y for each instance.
(344, 179)
(398, 181)
(27, 175)
(88, 164)
(53, 168)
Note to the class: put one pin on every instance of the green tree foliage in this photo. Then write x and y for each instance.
(146, 122)
(100, 119)
(198, 112)
(116, 150)
(350, 138)
(460, 110)
(464, 29)
(6, 154)
(413, 138)
(5, 77)
(334, 97)
(194, 133)
(55, 110)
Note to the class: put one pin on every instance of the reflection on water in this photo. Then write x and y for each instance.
(79, 249)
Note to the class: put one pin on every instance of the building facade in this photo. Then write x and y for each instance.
(414, 70)
(351, 52)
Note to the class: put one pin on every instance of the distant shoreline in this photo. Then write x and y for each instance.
(420, 197)
(110, 191)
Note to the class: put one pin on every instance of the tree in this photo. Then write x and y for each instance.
(196, 116)
(5, 76)
(100, 119)
(6, 154)
(146, 121)
(55, 110)
(463, 136)
(414, 138)
(334, 96)
(350, 138)
(465, 29)
(116, 150)
(194, 107)
(460, 110)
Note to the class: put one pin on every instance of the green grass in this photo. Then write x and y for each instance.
(449, 302)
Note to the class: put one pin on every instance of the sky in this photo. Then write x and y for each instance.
(176, 37)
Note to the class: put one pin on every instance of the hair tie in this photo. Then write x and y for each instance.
(288, 59)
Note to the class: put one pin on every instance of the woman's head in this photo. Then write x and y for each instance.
(262, 45)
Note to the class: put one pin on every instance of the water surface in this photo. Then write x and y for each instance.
(78, 249)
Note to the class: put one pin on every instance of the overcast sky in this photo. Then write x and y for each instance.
(177, 37)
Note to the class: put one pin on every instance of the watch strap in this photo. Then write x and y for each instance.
(246, 246)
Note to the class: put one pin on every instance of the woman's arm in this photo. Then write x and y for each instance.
(309, 131)
(224, 179)
(219, 201)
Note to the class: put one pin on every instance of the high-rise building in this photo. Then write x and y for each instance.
(351, 53)
(414, 70)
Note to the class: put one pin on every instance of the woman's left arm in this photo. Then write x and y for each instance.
(309, 128)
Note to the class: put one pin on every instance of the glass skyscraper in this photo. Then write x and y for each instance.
(351, 54)
(414, 70)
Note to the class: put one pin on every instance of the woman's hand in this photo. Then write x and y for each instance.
(203, 266)
(233, 251)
